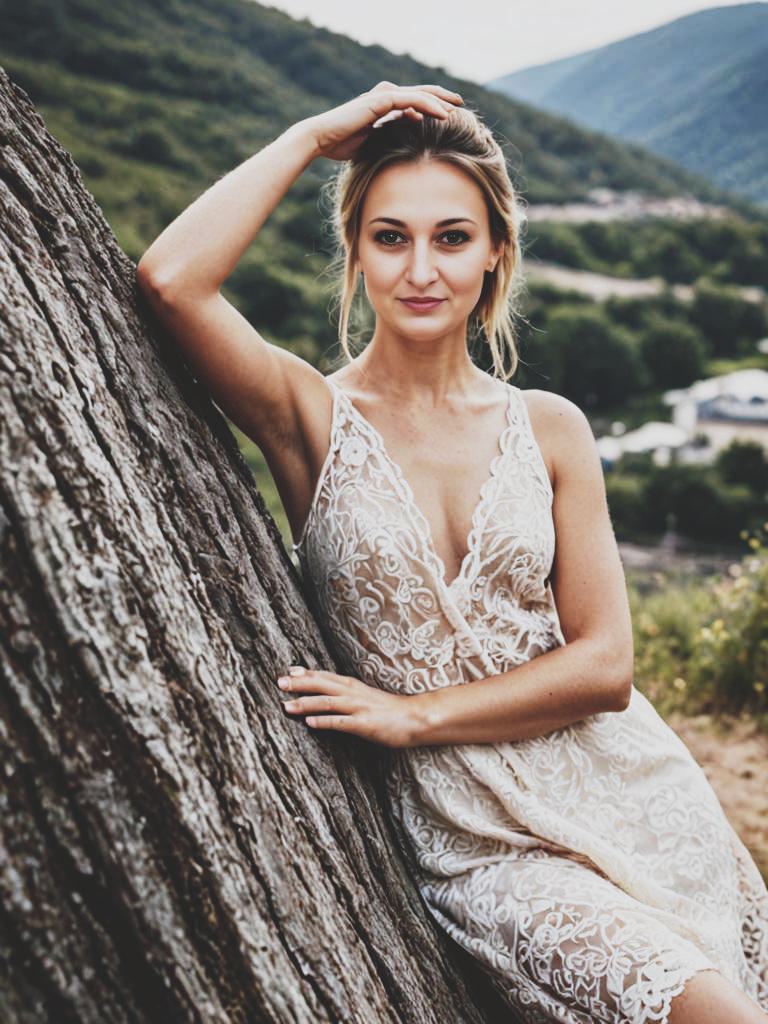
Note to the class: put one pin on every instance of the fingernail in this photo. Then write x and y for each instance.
(282, 683)
(297, 670)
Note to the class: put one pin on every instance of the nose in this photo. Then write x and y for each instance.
(421, 267)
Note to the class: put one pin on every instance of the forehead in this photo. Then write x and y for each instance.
(427, 191)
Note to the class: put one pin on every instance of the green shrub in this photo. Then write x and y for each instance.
(702, 646)
(591, 360)
(674, 352)
(704, 507)
(730, 324)
(729, 665)
(744, 462)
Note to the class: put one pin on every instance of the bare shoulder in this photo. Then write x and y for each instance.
(553, 411)
(562, 430)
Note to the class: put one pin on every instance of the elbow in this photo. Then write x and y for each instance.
(145, 282)
(620, 687)
(148, 280)
(160, 292)
(622, 695)
(616, 672)
(166, 290)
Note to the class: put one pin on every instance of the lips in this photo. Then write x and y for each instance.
(422, 303)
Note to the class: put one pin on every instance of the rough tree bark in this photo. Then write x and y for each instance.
(173, 846)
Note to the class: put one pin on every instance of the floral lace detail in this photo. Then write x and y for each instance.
(581, 949)
(590, 870)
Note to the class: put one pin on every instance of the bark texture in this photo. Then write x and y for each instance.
(172, 846)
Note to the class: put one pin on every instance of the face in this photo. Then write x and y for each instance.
(424, 232)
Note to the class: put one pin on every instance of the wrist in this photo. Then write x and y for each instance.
(424, 718)
(304, 134)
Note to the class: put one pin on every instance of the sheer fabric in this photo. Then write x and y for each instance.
(591, 870)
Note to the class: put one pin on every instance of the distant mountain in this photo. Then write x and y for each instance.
(693, 90)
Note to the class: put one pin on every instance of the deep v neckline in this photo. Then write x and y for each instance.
(479, 513)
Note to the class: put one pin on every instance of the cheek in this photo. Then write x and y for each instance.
(377, 262)
(383, 275)
(466, 272)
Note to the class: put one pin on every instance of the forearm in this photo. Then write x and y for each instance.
(563, 685)
(198, 251)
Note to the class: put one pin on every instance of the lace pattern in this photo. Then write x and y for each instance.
(590, 870)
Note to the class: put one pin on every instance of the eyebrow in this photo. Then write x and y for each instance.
(440, 223)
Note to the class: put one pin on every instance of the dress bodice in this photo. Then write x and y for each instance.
(367, 551)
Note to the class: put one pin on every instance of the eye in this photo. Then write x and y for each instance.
(379, 237)
(455, 231)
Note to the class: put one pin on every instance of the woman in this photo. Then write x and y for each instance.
(563, 834)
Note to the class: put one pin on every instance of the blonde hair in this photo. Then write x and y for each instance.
(464, 141)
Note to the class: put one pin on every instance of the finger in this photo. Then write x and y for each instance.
(400, 99)
(442, 103)
(343, 723)
(391, 116)
(320, 703)
(317, 679)
(440, 90)
(437, 90)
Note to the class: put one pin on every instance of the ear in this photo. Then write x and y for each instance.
(494, 258)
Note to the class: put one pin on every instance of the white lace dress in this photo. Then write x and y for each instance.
(591, 870)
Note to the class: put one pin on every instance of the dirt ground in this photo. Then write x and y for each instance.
(734, 757)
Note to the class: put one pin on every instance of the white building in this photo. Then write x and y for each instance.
(706, 417)
(733, 406)
(654, 436)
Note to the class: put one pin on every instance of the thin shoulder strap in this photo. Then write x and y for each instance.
(336, 394)
(339, 397)
(530, 439)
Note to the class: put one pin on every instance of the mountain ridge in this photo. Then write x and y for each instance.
(702, 107)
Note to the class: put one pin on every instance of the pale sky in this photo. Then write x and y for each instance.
(490, 38)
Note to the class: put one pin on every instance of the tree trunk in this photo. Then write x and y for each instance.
(174, 847)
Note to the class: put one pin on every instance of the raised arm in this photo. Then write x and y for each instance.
(181, 273)
(277, 399)
(593, 671)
